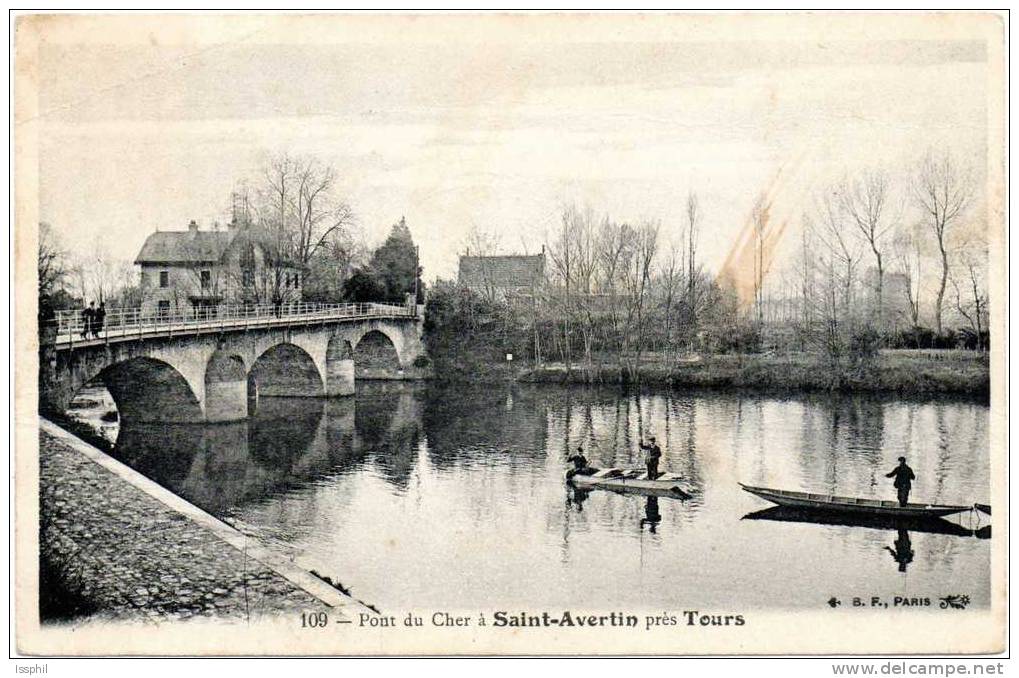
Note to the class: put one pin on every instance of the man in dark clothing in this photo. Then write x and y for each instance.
(654, 453)
(87, 316)
(579, 463)
(98, 318)
(904, 478)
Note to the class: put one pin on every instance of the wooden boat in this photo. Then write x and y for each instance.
(631, 480)
(835, 504)
(790, 514)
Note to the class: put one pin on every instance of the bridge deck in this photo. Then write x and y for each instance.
(133, 324)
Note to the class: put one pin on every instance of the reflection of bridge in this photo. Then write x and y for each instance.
(202, 367)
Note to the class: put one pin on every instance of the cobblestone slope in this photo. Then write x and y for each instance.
(110, 551)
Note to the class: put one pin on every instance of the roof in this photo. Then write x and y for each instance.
(185, 247)
(502, 271)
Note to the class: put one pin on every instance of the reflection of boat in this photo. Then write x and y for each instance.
(791, 514)
(631, 480)
(857, 506)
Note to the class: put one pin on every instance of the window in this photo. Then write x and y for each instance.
(164, 278)
(206, 279)
(248, 277)
(164, 306)
(288, 281)
(297, 280)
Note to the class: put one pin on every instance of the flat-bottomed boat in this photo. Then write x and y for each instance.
(630, 480)
(853, 505)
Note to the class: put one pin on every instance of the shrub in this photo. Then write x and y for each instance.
(864, 344)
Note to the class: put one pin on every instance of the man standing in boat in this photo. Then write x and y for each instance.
(904, 478)
(654, 453)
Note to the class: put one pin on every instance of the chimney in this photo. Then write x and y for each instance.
(193, 226)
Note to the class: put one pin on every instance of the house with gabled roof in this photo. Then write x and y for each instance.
(196, 271)
(503, 276)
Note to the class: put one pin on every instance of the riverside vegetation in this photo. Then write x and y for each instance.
(469, 337)
(869, 300)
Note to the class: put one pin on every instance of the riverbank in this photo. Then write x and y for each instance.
(116, 547)
(913, 372)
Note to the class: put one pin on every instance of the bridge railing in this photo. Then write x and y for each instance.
(69, 325)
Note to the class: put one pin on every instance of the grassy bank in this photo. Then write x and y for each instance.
(892, 371)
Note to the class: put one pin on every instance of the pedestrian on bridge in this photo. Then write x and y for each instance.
(87, 317)
(98, 318)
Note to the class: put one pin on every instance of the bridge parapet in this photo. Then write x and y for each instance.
(197, 367)
(68, 329)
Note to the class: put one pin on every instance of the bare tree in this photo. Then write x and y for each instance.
(829, 311)
(909, 261)
(318, 214)
(942, 192)
(564, 260)
(807, 282)
(759, 217)
(865, 201)
(277, 238)
(669, 283)
(297, 213)
(970, 274)
(612, 243)
(693, 220)
(843, 252)
(639, 261)
(52, 264)
(98, 276)
(585, 263)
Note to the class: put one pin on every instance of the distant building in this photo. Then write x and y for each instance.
(197, 270)
(895, 308)
(503, 276)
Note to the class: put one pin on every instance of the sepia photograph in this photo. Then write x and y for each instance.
(523, 333)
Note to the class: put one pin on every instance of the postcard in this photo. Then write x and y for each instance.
(510, 333)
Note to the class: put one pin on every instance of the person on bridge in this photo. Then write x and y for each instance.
(904, 478)
(87, 317)
(654, 453)
(98, 318)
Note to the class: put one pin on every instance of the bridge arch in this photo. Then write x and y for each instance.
(149, 390)
(226, 387)
(285, 369)
(376, 356)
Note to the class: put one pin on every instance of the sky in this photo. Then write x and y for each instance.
(459, 123)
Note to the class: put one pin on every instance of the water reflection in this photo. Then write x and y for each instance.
(575, 497)
(903, 551)
(927, 525)
(422, 495)
(284, 443)
(652, 516)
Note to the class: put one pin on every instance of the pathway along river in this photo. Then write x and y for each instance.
(417, 496)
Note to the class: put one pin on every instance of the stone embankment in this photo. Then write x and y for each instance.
(114, 546)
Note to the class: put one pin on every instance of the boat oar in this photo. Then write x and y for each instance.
(986, 508)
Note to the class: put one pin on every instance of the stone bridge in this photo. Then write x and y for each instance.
(204, 369)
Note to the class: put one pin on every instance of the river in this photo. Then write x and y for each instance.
(427, 497)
